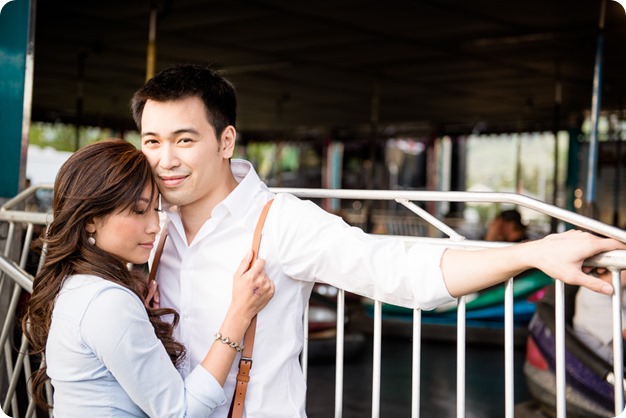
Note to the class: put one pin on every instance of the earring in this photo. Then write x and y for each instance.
(91, 239)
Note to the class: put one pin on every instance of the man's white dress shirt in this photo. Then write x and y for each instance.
(301, 244)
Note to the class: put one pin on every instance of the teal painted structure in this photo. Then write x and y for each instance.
(14, 27)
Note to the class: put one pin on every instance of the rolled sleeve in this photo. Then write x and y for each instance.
(428, 286)
(204, 392)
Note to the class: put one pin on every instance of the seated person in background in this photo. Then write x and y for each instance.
(507, 227)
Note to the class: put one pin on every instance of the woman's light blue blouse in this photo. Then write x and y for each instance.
(104, 359)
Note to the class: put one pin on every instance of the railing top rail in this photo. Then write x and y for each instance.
(24, 195)
(6, 214)
(38, 218)
(15, 272)
(486, 197)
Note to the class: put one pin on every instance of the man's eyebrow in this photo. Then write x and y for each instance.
(176, 132)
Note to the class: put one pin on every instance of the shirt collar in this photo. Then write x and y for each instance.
(238, 201)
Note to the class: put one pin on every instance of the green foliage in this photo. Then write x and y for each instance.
(63, 137)
(58, 136)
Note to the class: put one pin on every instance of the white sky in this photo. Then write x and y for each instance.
(42, 165)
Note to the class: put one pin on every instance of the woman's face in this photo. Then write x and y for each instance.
(129, 234)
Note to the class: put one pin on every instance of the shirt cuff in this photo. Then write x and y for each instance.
(204, 392)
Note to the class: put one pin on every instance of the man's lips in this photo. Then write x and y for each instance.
(172, 181)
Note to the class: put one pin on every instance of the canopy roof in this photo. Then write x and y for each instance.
(425, 65)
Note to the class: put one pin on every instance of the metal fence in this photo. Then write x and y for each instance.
(19, 218)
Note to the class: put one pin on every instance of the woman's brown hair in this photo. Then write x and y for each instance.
(103, 178)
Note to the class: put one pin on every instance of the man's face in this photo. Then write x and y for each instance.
(190, 165)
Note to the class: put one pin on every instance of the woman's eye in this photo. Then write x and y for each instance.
(140, 210)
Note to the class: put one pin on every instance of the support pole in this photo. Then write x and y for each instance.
(595, 114)
(558, 99)
(370, 180)
(151, 55)
(374, 119)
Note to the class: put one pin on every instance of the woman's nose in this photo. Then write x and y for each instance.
(154, 225)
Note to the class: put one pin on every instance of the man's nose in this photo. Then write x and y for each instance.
(169, 158)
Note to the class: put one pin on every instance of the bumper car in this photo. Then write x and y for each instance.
(589, 378)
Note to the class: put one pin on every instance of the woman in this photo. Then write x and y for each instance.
(107, 353)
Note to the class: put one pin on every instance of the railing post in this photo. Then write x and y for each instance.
(559, 314)
(417, 358)
(618, 357)
(341, 303)
(460, 358)
(377, 359)
(509, 385)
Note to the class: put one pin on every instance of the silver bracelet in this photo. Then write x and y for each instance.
(232, 344)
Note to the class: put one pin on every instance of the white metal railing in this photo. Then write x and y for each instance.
(14, 278)
(615, 260)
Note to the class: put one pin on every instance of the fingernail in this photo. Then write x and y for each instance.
(607, 289)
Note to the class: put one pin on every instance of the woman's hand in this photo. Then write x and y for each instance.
(153, 298)
(252, 289)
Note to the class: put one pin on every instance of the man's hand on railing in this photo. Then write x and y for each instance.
(605, 274)
(560, 256)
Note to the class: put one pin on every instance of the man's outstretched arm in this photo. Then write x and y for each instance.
(558, 255)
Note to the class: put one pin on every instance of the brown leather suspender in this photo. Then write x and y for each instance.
(245, 363)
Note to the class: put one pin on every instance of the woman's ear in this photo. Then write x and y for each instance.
(90, 227)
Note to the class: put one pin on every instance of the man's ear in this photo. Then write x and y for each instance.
(227, 141)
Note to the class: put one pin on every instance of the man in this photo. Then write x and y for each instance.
(507, 227)
(186, 115)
